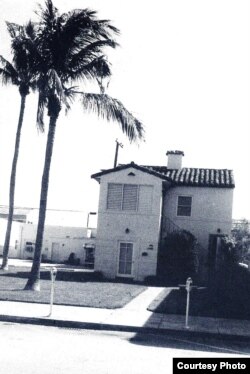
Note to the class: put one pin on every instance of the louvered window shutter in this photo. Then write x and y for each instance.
(145, 199)
(130, 197)
(114, 199)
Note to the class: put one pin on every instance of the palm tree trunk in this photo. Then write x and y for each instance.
(34, 278)
(12, 185)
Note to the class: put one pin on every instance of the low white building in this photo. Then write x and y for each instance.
(139, 205)
(58, 243)
(14, 251)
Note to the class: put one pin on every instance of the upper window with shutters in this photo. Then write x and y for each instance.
(129, 197)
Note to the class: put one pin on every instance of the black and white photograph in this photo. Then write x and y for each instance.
(124, 186)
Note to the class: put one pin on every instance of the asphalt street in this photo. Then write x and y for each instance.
(30, 349)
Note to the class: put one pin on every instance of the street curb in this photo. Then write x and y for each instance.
(122, 328)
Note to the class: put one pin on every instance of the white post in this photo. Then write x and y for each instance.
(53, 272)
(188, 288)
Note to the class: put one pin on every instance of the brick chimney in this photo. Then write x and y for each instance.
(175, 159)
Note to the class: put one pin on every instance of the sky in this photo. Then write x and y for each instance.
(182, 68)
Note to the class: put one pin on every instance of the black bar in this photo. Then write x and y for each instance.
(205, 365)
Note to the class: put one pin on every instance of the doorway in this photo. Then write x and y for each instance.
(125, 264)
(55, 252)
(214, 251)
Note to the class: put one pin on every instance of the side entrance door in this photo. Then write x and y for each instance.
(55, 252)
(125, 264)
(214, 252)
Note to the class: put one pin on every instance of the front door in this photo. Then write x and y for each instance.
(125, 259)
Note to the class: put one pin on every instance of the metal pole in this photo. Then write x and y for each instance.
(53, 272)
(187, 309)
(188, 288)
(116, 152)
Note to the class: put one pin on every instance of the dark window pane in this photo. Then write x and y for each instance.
(184, 206)
(185, 200)
(125, 258)
(184, 211)
(122, 266)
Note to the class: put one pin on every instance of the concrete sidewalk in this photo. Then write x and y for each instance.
(134, 317)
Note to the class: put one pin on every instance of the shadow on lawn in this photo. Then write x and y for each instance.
(226, 296)
(10, 290)
(68, 276)
(205, 303)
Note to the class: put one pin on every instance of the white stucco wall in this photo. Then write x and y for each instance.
(211, 210)
(211, 214)
(69, 239)
(60, 218)
(143, 227)
(14, 251)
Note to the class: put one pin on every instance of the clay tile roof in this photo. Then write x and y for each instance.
(182, 177)
(196, 177)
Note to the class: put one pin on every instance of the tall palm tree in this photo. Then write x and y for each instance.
(71, 48)
(21, 74)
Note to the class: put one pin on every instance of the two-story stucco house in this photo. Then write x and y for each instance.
(138, 205)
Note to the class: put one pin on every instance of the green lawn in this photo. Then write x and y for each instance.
(78, 289)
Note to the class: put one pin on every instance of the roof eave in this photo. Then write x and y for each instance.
(97, 176)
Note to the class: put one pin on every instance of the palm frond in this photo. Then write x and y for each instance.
(8, 73)
(26, 55)
(14, 29)
(112, 109)
(42, 100)
(48, 13)
(71, 47)
(102, 67)
(85, 22)
(88, 53)
(23, 45)
(73, 38)
(31, 30)
(5, 78)
(97, 68)
(107, 24)
(69, 97)
(74, 23)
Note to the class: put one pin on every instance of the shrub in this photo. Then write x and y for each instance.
(234, 248)
(179, 255)
(230, 278)
(98, 275)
